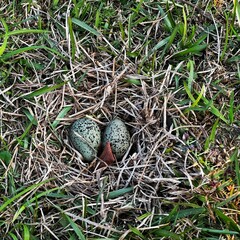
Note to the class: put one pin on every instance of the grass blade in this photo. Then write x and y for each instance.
(85, 26)
(233, 59)
(189, 92)
(42, 91)
(168, 23)
(31, 118)
(131, 16)
(22, 140)
(72, 38)
(155, 48)
(214, 110)
(170, 41)
(136, 232)
(190, 212)
(13, 236)
(185, 25)
(195, 103)
(60, 115)
(119, 192)
(194, 50)
(26, 190)
(226, 37)
(26, 232)
(97, 17)
(4, 45)
(235, 158)
(143, 216)
(167, 234)
(133, 81)
(29, 202)
(211, 138)
(190, 67)
(218, 231)
(232, 225)
(10, 54)
(5, 156)
(26, 31)
(231, 108)
(75, 227)
(230, 199)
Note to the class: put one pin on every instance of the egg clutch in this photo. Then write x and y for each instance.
(85, 136)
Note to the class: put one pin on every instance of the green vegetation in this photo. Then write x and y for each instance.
(169, 69)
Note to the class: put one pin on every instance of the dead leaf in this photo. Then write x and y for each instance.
(107, 156)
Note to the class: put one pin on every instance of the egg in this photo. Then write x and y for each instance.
(85, 136)
(119, 137)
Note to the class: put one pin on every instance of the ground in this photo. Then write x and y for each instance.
(169, 70)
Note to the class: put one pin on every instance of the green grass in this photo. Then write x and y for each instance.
(169, 69)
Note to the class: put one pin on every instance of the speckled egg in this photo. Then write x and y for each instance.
(85, 136)
(119, 137)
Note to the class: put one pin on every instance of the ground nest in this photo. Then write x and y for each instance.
(159, 165)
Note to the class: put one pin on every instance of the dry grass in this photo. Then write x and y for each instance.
(167, 166)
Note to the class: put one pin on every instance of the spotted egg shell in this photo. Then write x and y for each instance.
(85, 136)
(119, 137)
